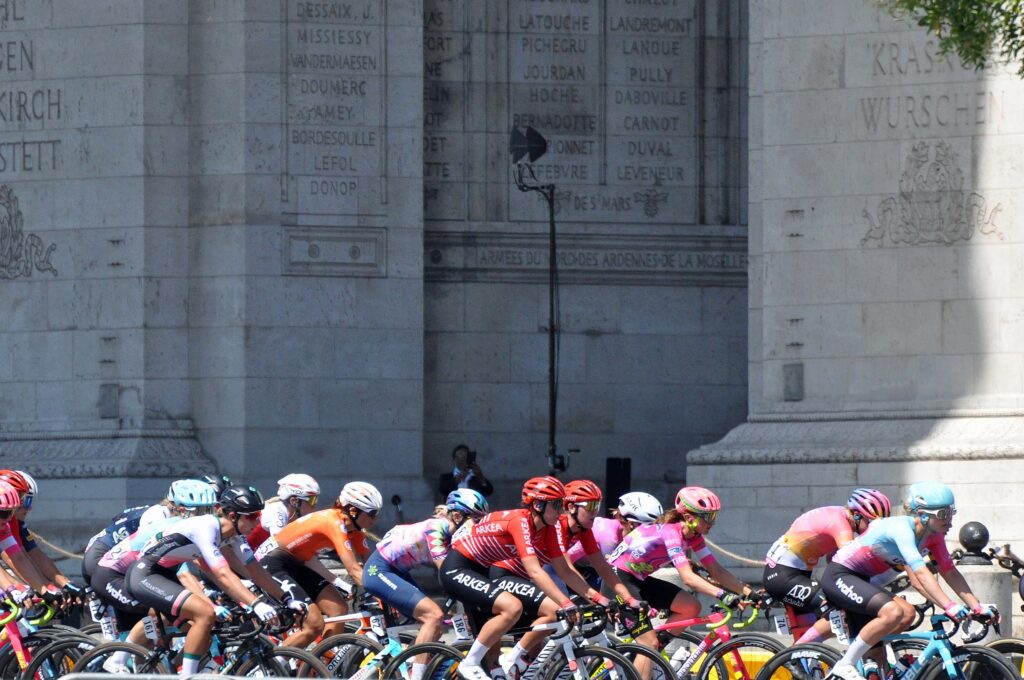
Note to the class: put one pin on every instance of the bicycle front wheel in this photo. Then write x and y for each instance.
(1012, 650)
(135, 658)
(807, 661)
(592, 663)
(972, 662)
(661, 669)
(442, 662)
(57, 659)
(741, 658)
(283, 662)
(345, 653)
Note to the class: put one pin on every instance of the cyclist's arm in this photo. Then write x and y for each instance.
(262, 578)
(349, 561)
(192, 582)
(959, 585)
(608, 575)
(26, 570)
(728, 581)
(231, 584)
(537, 574)
(572, 578)
(694, 582)
(45, 566)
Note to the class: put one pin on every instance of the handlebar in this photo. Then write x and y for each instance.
(14, 611)
(726, 613)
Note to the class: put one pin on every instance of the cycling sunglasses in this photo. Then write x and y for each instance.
(708, 517)
(26, 502)
(590, 506)
(372, 514)
(944, 514)
(310, 499)
(557, 505)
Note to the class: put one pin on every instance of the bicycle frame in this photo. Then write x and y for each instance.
(938, 644)
(718, 633)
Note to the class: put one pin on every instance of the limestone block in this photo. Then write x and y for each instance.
(801, 278)
(216, 47)
(686, 311)
(794, 496)
(168, 401)
(486, 357)
(166, 302)
(19, 400)
(218, 403)
(384, 405)
(652, 408)
(284, 402)
(261, 92)
(443, 406)
(443, 356)
(497, 307)
(165, 353)
(528, 358)
(587, 311)
(223, 96)
(794, 18)
(813, 63)
(581, 408)
(444, 305)
(1002, 265)
(111, 303)
(998, 375)
(217, 302)
(492, 407)
(927, 274)
(166, 250)
(217, 149)
(287, 352)
(903, 328)
(390, 307)
(871, 275)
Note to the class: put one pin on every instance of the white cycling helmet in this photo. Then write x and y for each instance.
(297, 485)
(362, 495)
(638, 506)
(33, 488)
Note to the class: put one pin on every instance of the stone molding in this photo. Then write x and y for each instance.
(70, 455)
(916, 439)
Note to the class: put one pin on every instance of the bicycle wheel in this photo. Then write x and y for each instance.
(1012, 649)
(345, 653)
(592, 663)
(442, 664)
(137, 659)
(283, 662)
(741, 658)
(661, 669)
(807, 661)
(972, 662)
(57, 659)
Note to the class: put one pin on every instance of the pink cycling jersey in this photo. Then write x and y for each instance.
(410, 545)
(608, 534)
(813, 535)
(650, 547)
(8, 543)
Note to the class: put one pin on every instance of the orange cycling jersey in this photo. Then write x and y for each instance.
(308, 535)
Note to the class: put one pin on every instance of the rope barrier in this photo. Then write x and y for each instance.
(56, 548)
(731, 555)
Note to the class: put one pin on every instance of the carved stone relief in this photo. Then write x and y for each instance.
(20, 253)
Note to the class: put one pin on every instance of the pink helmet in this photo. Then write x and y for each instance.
(10, 499)
(697, 500)
(869, 503)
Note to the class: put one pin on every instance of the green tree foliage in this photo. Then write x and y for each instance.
(980, 32)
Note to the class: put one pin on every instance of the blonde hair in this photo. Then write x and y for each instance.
(670, 517)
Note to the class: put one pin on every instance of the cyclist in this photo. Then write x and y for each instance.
(290, 557)
(219, 482)
(30, 563)
(815, 534)
(297, 495)
(651, 547)
(10, 501)
(496, 567)
(896, 543)
(386, 572)
(635, 508)
(152, 581)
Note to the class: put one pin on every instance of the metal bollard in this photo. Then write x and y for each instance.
(990, 584)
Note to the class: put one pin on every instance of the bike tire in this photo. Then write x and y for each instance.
(57, 659)
(973, 662)
(344, 653)
(740, 658)
(592, 663)
(661, 669)
(141, 660)
(285, 662)
(806, 661)
(1012, 649)
(442, 664)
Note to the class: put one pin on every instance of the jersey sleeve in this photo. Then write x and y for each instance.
(902, 535)
(588, 543)
(701, 551)
(28, 541)
(8, 543)
(274, 518)
(519, 530)
(206, 537)
(556, 540)
(155, 513)
(842, 532)
(438, 539)
(675, 546)
(940, 553)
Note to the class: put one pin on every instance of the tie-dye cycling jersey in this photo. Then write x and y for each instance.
(410, 545)
(650, 547)
(890, 543)
(608, 534)
(813, 535)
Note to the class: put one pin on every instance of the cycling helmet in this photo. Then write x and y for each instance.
(244, 500)
(546, 488)
(192, 493)
(33, 488)
(15, 479)
(299, 486)
(637, 506)
(466, 501)
(869, 503)
(363, 496)
(581, 491)
(697, 500)
(10, 499)
(929, 495)
(218, 482)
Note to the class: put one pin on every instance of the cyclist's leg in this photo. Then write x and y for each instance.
(159, 590)
(795, 588)
(660, 595)
(536, 606)
(286, 571)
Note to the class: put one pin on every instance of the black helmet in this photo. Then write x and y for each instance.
(218, 482)
(245, 500)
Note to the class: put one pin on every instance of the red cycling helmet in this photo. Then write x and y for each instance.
(543, 489)
(582, 491)
(14, 479)
(10, 499)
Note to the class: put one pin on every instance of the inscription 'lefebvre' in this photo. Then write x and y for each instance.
(24, 103)
(335, 103)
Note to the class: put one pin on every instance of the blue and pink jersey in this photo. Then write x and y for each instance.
(890, 543)
(123, 555)
(608, 534)
(410, 545)
(653, 546)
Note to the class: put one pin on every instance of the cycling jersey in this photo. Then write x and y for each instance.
(503, 538)
(273, 518)
(8, 543)
(608, 534)
(813, 535)
(21, 534)
(192, 538)
(155, 513)
(651, 546)
(890, 543)
(121, 556)
(308, 535)
(410, 545)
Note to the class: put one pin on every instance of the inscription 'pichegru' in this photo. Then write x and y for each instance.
(548, 22)
(334, 36)
(554, 45)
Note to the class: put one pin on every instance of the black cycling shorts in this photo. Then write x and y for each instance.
(794, 587)
(524, 590)
(109, 587)
(654, 591)
(157, 587)
(92, 557)
(294, 577)
(851, 592)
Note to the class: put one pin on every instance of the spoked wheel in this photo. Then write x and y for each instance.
(661, 669)
(57, 659)
(1013, 650)
(135, 658)
(741, 658)
(807, 661)
(344, 654)
(442, 662)
(592, 663)
(972, 662)
(283, 662)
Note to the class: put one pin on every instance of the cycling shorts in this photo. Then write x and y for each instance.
(294, 577)
(793, 587)
(157, 587)
(524, 590)
(93, 554)
(854, 594)
(656, 592)
(109, 587)
(394, 586)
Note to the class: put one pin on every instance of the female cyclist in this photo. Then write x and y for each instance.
(651, 547)
(297, 495)
(813, 535)
(152, 580)
(290, 556)
(410, 545)
(896, 543)
(10, 500)
(30, 564)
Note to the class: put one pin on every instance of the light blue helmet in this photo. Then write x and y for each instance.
(467, 501)
(192, 493)
(929, 495)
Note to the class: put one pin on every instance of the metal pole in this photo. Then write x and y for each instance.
(549, 194)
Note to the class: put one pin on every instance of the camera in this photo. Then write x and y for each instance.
(470, 457)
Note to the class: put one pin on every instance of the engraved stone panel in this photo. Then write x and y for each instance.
(335, 252)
